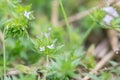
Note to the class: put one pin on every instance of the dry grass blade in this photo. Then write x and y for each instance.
(114, 44)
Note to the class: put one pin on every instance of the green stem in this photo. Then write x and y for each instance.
(86, 34)
(47, 64)
(4, 56)
(65, 17)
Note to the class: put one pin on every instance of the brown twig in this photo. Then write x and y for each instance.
(101, 49)
(54, 16)
(1, 39)
(13, 72)
(114, 45)
(101, 63)
(112, 34)
(1, 36)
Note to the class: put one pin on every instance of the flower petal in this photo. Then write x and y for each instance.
(107, 19)
(112, 11)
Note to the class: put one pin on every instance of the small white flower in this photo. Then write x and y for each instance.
(107, 19)
(49, 29)
(42, 48)
(112, 11)
(27, 15)
(51, 46)
(46, 35)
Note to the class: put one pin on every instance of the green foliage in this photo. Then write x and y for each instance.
(20, 49)
(116, 23)
(115, 68)
(91, 64)
(45, 44)
(17, 18)
(63, 67)
(40, 7)
(23, 69)
(58, 33)
(26, 77)
(56, 51)
(98, 15)
(103, 76)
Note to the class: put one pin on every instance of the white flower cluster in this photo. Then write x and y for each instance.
(111, 14)
(47, 34)
(42, 48)
(51, 46)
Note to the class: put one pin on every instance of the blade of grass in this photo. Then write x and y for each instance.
(4, 55)
(65, 17)
(86, 34)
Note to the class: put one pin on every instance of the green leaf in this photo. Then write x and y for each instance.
(24, 69)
